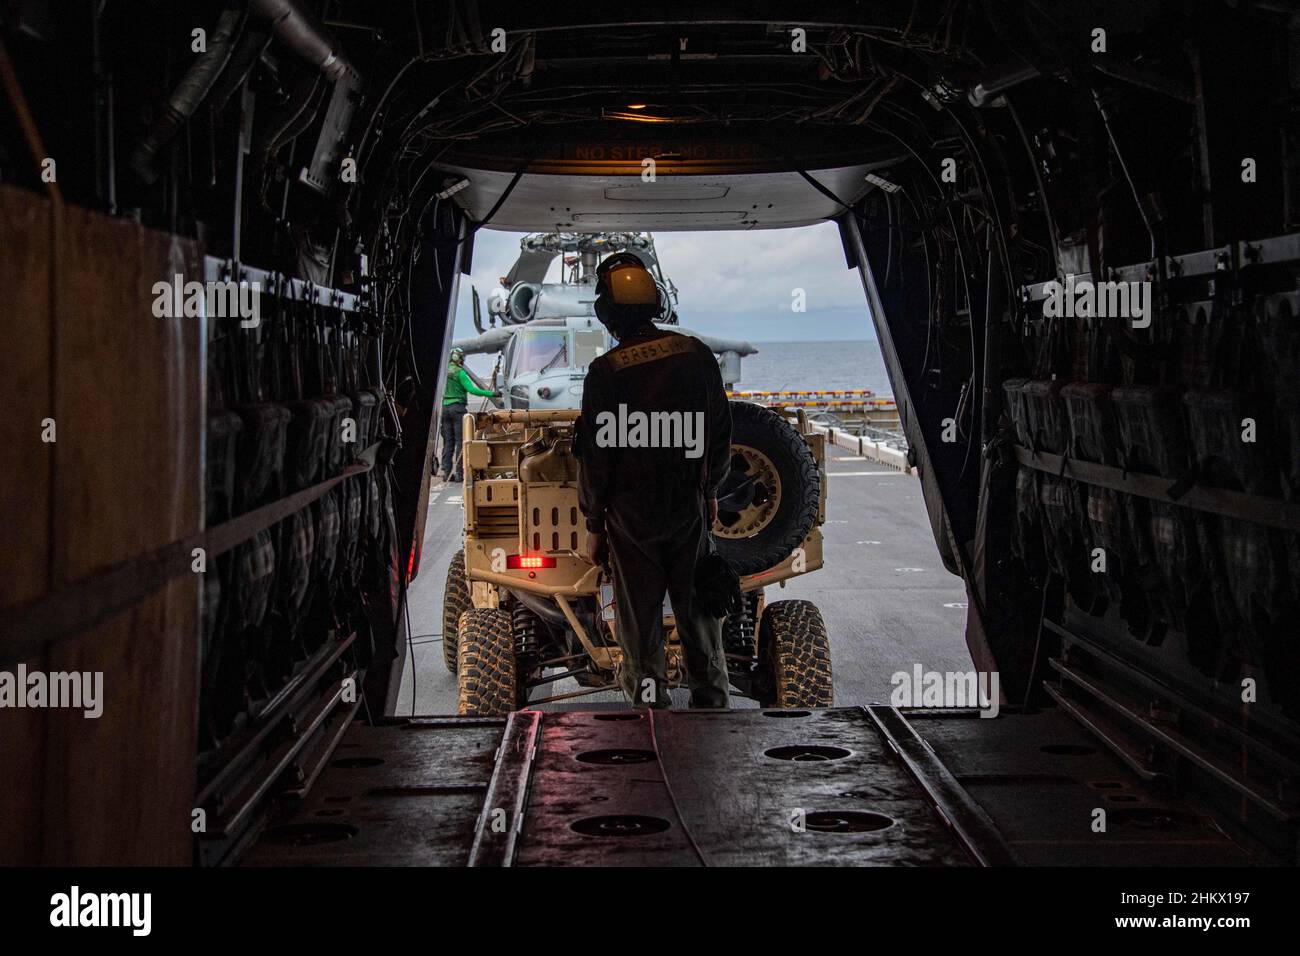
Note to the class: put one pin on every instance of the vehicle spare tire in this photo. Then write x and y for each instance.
(768, 502)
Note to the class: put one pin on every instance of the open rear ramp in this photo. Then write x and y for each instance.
(842, 787)
(676, 788)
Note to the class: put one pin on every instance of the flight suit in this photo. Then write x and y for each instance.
(650, 502)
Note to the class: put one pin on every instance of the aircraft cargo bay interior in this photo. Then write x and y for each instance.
(781, 435)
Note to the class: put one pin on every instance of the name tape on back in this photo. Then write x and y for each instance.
(651, 351)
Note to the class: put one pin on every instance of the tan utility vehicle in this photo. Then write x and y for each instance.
(524, 609)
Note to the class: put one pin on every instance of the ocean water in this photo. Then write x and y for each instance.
(795, 366)
(808, 366)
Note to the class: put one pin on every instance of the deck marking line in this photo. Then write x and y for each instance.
(862, 474)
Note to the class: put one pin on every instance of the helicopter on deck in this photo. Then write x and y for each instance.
(547, 333)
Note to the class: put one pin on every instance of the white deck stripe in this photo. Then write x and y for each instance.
(861, 474)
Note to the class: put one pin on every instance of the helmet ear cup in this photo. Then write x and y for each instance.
(613, 316)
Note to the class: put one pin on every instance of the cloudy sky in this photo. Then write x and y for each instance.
(729, 283)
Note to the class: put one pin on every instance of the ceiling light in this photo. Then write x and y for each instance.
(880, 182)
(453, 188)
(637, 117)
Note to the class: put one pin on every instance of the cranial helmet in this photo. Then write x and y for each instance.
(626, 281)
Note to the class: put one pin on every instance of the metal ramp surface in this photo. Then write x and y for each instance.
(851, 786)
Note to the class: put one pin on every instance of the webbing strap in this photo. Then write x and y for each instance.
(1270, 512)
(26, 630)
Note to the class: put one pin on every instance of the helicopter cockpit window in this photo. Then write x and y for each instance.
(539, 351)
(587, 345)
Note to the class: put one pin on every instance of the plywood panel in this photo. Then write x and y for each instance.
(128, 397)
(127, 479)
(119, 789)
(26, 397)
(123, 478)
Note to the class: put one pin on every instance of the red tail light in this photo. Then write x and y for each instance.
(528, 562)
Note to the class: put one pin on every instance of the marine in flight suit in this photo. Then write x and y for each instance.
(648, 509)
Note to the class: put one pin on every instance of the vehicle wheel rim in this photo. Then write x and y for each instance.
(750, 496)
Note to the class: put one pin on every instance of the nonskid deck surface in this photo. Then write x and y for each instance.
(751, 787)
(1042, 779)
(405, 793)
(748, 787)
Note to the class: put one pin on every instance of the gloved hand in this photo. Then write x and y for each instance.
(717, 586)
(597, 549)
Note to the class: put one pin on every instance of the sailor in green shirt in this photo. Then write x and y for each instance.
(453, 409)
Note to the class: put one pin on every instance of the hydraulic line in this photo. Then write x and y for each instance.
(194, 86)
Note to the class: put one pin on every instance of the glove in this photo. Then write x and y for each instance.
(598, 549)
(717, 587)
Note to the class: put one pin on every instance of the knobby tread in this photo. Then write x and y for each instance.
(796, 649)
(456, 601)
(485, 672)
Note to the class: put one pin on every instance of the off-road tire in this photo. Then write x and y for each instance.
(485, 672)
(795, 654)
(456, 601)
(765, 431)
